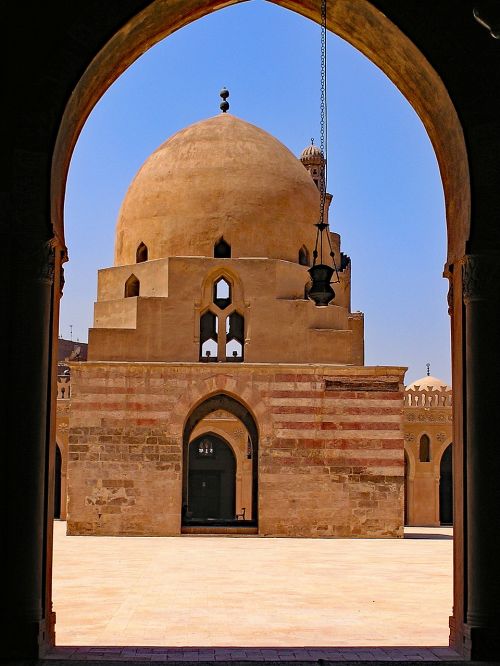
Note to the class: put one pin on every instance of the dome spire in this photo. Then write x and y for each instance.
(224, 105)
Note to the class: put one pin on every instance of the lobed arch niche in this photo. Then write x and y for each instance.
(220, 446)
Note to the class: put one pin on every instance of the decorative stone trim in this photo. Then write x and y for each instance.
(481, 277)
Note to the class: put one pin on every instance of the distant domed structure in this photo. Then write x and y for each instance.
(221, 177)
(429, 383)
(205, 342)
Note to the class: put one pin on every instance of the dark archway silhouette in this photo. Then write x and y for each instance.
(304, 256)
(57, 483)
(132, 287)
(222, 249)
(236, 408)
(424, 449)
(406, 503)
(142, 253)
(446, 487)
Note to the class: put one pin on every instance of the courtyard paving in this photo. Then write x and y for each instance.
(232, 593)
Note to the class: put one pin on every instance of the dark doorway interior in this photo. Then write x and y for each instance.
(407, 466)
(211, 479)
(216, 468)
(446, 487)
(57, 484)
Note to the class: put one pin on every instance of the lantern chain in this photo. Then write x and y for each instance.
(323, 110)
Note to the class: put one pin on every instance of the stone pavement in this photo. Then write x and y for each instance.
(253, 599)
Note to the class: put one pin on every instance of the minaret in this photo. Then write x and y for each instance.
(313, 160)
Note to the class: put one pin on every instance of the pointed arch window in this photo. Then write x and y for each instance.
(132, 286)
(209, 336)
(425, 449)
(141, 253)
(304, 256)
(222, 249)
(235, 337)
(222, 293)
(222, 324)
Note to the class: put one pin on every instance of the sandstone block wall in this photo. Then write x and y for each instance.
(330, 446)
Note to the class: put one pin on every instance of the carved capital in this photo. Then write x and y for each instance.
(448, 273)
(38, 257)
(481, 277)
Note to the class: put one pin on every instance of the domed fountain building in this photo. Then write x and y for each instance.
(216, 396)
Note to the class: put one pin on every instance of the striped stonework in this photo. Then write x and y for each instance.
(330, 452)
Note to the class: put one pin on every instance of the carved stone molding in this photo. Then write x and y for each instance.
(448, 273)
(481, 277)
(38, 256)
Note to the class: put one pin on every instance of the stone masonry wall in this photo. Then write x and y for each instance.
(330, 446)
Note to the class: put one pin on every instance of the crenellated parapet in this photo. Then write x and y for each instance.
(428, 397)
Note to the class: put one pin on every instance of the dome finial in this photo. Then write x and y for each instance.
(224, 105)
(428, 366)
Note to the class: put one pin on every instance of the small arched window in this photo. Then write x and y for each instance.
(222, 293)
(132, 286)
(222, 249)
(304, 256)
(425, 449)
(209, 330)
(141, 254)
(235, 337)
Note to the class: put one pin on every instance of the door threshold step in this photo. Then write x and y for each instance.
(220, 529)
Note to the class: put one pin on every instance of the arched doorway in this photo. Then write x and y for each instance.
(211, 482)
(57, 483)
(210, 468)
(446, 487)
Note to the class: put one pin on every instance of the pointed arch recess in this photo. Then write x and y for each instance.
(234, 406)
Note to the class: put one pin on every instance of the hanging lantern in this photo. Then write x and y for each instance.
(321, 291)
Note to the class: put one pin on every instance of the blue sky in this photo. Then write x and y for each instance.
(388, 201)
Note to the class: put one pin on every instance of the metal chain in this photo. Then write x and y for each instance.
(322, 226)
(323, 110)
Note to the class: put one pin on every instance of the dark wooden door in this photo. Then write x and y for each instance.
(211, 482)
(205, 493)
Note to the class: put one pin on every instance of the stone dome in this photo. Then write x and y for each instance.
(221, 177)
(429, 382)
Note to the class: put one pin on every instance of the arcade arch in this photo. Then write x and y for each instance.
(360, 24)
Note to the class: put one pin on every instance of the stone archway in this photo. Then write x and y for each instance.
(368, 30)
(220, 482)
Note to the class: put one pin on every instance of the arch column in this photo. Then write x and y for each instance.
(481, 296)
(28, 464)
